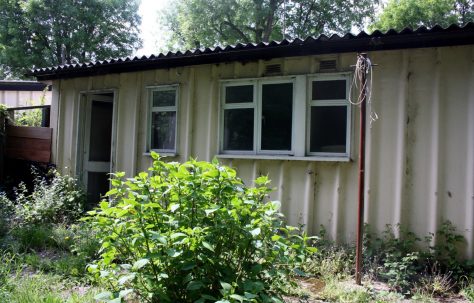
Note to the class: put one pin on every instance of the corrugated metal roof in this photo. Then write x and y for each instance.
(323, 44)
(21, 85)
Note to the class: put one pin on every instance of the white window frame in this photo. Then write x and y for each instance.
(256, 105)
(301, 120)
(331, 102)
(152, 109)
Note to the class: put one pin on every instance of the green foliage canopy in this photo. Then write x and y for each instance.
(47, 32)
(196, 23)
(399, 14)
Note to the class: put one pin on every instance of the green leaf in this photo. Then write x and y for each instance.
(125, 292)
(237, 297)
(104, 296)
(275, 238)
(174, 207)
(211, 210)
(157, 236)
(188, 266)
(208, 246)
(255, 232)
(124, 279)
(177, 235)
(140, 263)
(194, 285)
(249, 295)
(104, 205)
(300, 272)
(173, 253)
(226, 286)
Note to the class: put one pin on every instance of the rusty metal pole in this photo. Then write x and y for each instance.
(360, 208)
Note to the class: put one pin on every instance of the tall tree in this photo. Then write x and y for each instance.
(398, 14)
(196, 23)
(48, 32)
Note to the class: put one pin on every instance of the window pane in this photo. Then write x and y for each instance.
(238, 129)
(329, 90)
(100, 141)
(164, 98)
(239, 94)
(277, 116)
(328, 129)
(163, 128)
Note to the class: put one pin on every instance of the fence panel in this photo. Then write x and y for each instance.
(28, 143)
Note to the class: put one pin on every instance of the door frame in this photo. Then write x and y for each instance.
(83, 117)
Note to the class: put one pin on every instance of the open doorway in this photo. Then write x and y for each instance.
(96, 144)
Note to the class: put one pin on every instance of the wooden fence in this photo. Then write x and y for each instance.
(28, 143)
(23, 142)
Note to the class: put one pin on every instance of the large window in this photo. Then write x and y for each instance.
(163, 101)
(295, 116)
(258, 117)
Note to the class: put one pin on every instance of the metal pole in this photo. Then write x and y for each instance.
(360, 209)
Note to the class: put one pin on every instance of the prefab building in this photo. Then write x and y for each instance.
(284, 109)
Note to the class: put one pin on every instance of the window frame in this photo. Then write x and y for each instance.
(151, 109)
(327, 103)
(256, 105)
(301, 118)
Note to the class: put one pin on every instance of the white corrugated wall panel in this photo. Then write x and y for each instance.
(420, 153)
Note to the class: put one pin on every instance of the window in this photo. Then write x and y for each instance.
(258, 117)
(163, 102)
(329, 116)
(301, 116)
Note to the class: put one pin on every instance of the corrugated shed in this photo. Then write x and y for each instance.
(420, 153)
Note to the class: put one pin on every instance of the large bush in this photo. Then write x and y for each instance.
(193, 232)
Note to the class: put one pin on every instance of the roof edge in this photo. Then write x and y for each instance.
(376, 41)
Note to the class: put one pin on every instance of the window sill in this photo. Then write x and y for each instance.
(162, 154)
(286, 157)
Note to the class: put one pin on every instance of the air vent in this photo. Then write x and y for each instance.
(273, 69)
(327, 65)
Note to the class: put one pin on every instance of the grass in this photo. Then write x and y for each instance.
(39, 287)
(47, 264)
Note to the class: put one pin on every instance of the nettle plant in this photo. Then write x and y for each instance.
(193, 232)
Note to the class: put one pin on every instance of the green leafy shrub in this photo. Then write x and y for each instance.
(32, 237)
(30, 117)
(58, 200)
(6, 212)
(193, 232)
(85, 241)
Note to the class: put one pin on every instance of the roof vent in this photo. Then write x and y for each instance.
(273, 69)
(327, 65)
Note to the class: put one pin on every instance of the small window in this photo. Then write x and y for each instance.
(329, 117)
(163, 119)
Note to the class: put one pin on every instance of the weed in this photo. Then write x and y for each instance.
(29, 238)
(345, 292)
(45, 288)
(468, 292)
(436, 283)
(58, 200)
